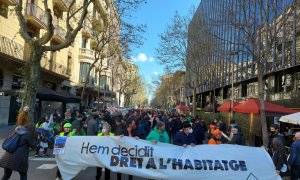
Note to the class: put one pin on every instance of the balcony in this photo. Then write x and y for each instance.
(62, 5)
(11, 48)
(35, 16)
(86, 53)
(10, 2)
(59, 34)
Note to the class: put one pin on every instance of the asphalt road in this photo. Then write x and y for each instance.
(45, 169)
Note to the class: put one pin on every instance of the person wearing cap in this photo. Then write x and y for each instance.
(67, 130)
(186, 136)
(294, 159)
(159, 134)
(216, 137)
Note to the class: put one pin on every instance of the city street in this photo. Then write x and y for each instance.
(45, 168)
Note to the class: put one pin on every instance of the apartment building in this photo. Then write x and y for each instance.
(60, 70)
(226, 66)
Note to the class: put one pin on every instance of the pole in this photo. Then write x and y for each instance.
(232, 91)
(104, 90)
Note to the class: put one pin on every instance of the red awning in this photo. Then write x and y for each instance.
(253, 106)
(227, 106)
(183, 108)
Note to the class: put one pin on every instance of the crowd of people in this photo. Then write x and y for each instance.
(151, 125)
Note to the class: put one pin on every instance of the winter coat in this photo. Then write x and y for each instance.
(158, 136)
(238, 139)
(120, 130)
(279, 158)
(199, 132)
(18, 160)
(295, 153)
(182, 138)
(92, 127)
(214, 141)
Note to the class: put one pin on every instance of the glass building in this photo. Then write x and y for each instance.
(227, 41)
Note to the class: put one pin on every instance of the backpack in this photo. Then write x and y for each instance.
(11, 143)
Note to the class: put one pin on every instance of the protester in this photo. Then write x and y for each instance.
(236, 137)
(105, 132)
(185, 137)
(120, 128)
(274, 133)
(77, 126)
(294, 159)
(92, 125)
(159, 134)
(43, 136)
(279, 158)
(18, 160)
(216, 137)
(23, 118)
(199, 130)
(234, 124)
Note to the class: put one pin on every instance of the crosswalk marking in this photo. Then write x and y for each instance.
(41, 159)
(47, 166)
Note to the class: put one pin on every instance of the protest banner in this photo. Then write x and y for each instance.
(165, 161)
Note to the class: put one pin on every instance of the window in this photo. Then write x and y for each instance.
(3, 10)
(1, 78)
(84, 42)
(84, 68)
(103, 82)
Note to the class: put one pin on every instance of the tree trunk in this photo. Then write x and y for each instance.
(262, 106)
(32, 77)
(194, 101)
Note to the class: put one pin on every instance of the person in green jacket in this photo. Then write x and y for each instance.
(159, 134)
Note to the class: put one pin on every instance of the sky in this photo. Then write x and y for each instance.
(156, 14)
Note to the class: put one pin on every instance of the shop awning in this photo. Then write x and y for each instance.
(183, 108)
(253, 106)
(46, 94)
(227, 106)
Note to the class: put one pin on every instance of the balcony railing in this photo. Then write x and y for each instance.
(62, 4)
(86, 52)
(10, 2)
(11, 48)
(36, 15)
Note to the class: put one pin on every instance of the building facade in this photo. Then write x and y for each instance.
(61, 71)
(226, 40)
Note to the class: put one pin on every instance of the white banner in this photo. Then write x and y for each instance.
(165, 161)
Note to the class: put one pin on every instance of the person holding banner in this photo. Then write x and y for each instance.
(159, 134)
(185, 137)
(67, 132)
(105, 132)
(216, 137)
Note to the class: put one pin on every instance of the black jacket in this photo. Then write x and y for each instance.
(18, 160)
(181, 138)
(279, 158)
(238, 139)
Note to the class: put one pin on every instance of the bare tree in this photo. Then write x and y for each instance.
(37, 46)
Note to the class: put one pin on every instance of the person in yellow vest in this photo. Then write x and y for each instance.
(105, 132)
(66, 132)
